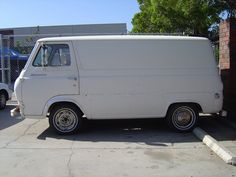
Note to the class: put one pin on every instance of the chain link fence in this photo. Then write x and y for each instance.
(15, 51)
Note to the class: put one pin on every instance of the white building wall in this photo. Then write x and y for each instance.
(119, 28)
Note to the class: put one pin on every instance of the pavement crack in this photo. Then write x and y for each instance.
(23, 134)
(69, 160)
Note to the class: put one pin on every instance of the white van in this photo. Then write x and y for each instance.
(119, 77)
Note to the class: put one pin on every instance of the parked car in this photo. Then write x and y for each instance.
(14, 55)
(17, 61)
(5, 95)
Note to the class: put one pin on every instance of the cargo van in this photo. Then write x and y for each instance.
(68, 79)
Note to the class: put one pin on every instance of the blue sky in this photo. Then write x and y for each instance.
(23, 13)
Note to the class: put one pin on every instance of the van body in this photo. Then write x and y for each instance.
(120, 77)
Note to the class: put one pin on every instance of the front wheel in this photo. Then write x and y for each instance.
(182, 118)
(65, 119)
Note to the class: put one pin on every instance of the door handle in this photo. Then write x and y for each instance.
(72, 78)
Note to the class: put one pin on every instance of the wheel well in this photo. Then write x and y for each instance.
(199, 108)
(5, 93)
(62, 103)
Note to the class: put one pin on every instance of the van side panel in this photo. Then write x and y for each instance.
(144, 54)
(141, 78)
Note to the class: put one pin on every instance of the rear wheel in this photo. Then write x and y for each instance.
(182, 118)
(65, 119)
(3, 100)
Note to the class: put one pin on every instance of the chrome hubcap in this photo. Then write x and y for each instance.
(183, 118)
(65, 120)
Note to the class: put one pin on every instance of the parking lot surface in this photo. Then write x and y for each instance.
(126, 148)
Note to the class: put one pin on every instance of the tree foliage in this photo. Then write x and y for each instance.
(192, 17)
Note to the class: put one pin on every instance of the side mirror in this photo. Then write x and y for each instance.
(44, 47)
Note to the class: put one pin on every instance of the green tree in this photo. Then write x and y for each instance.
(192, 17)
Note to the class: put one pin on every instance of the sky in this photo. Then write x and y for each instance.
(26, 13)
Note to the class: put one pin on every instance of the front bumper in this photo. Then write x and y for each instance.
(17, 111)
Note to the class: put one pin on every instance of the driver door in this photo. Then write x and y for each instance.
(54, 73)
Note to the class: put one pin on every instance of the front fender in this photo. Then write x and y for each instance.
(59, 99)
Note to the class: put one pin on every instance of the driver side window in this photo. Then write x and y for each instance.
(54, 55)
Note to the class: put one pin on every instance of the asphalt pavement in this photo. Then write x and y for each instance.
(127, 148)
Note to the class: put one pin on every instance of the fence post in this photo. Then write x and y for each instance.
(2, 59)
(9, 62)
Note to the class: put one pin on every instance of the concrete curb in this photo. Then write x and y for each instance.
(215, 146)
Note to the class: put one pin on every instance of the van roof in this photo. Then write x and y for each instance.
(121, 37)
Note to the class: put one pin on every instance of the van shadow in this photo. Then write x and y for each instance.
(5, 118)
(149, 131)
(218, 128)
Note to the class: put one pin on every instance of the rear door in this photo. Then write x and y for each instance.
(53, 72)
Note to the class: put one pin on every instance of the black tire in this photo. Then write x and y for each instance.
(3, 100)
(182, 118)
(65, 119)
